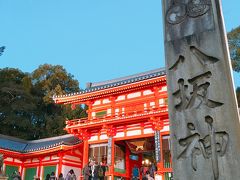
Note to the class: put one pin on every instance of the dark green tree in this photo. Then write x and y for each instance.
(234, 46)
(49, 80)
(26, 107)
(238, 96)
(17, 105)
(53, 80)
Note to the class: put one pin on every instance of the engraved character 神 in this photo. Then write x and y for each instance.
(212, 145)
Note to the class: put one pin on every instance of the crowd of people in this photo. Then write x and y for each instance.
(146, 172)
(94, 171)
(70, 176)
(16, 175)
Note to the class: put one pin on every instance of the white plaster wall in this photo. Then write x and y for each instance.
(119, 134)
(17, 161)
(119, 98)
(163, 89)
(148, 131)
(93, 114)
(9, 159)
(109, 111)
(152, 103)
(55, 157)
(147, 92)
(105, 101)
(104, 136)
(93, 138)
(134, 133)
(36, 160)
(165, 128)
(161, 102)
(133, 95)
(97, 103)
(46, 158)
(66, 169)
(28, 161)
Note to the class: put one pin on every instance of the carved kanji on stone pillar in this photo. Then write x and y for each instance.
(202, 106)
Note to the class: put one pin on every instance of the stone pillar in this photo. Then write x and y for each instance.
(205, 130)
(157, 126)
(110, 157)
(111, 132)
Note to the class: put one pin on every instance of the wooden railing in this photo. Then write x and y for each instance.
(130, 114)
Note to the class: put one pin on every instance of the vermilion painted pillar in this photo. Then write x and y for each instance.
(140, 159)
(85, 153)
(40, 167)
(128, 170)
(89, 111)
(60, 155)
(112, 99)
(113, 160)
(156, 94)
(21, 168)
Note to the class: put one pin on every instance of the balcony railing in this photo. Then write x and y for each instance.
(128, 115)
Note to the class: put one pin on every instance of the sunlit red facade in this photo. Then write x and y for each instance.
(127, 125)
(124, 114)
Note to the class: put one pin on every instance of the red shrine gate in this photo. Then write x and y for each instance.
(127, 123)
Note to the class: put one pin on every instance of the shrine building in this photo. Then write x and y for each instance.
(127, 126)
(37, 158)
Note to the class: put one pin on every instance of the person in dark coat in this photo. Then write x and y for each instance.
(87, 172)
(101, 171)
(60, 177)
(47, 177)
(52, 176)
(95, 171)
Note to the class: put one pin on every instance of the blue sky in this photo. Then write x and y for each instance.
(94, 40)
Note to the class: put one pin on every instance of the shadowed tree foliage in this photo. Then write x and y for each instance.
(26, 106)
(234, 46)
(2, 50)
(17, 104)
(238, 96)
